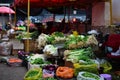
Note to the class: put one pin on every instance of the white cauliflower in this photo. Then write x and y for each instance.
(42, 40)
(50, 50)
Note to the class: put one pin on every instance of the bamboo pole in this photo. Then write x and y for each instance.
(111, 12)
(28, 13)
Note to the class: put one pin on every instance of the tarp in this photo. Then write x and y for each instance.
(52, 3)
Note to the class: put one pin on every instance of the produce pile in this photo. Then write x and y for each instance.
(33, 74)
(80, 41)
(25, 35)
(70, 41)
(49, 72)
(56, 37)
(88, 76)
(37, 59)
(78, 54)
(79, 51)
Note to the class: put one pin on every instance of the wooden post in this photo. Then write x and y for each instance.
(28, 13)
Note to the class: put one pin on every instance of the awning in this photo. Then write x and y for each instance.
(54, 3)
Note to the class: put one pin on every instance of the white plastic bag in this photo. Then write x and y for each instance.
(5, 48)
(81, 77)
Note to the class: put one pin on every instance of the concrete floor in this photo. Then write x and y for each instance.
(12, 73)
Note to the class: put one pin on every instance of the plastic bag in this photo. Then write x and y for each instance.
(5, 48)
(93, 68)
(105, 64)
(88, 76)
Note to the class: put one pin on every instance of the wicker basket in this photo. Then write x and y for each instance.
(32, 45)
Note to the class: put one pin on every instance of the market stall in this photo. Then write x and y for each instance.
(79, 50)
(78, 56)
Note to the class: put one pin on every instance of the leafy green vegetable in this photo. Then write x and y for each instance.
(80, 54)
(37, 61)
(23, 35)
(34, 35)
(50, 39)
(58, 34)
(32, 73)
(78, 41)
(91, 75)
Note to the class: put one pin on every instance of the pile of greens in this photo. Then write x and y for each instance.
(74, 42)
(79, 54)
(37, 59)
(58, 34)
(23, 35)
(56, 37)
(32, 73)
(91, 75)
(34, 35)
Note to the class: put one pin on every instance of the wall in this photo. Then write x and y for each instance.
(101, 13)
(98, 14)
(116, 11)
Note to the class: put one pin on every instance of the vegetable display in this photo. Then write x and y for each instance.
(80, 41)
(64, 72)
(88, 76)
(37, 59)
(35, 56)
(56, 37)
(23, 35)
(78, 54)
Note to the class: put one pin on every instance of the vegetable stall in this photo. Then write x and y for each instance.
(77, 56)
(79, 50)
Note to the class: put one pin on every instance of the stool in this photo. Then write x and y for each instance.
(106, 76)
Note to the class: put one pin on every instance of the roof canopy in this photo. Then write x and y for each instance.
(54, 3)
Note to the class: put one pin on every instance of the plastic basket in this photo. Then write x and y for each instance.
(34, 77)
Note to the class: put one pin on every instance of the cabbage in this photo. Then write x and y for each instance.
(50, 50)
